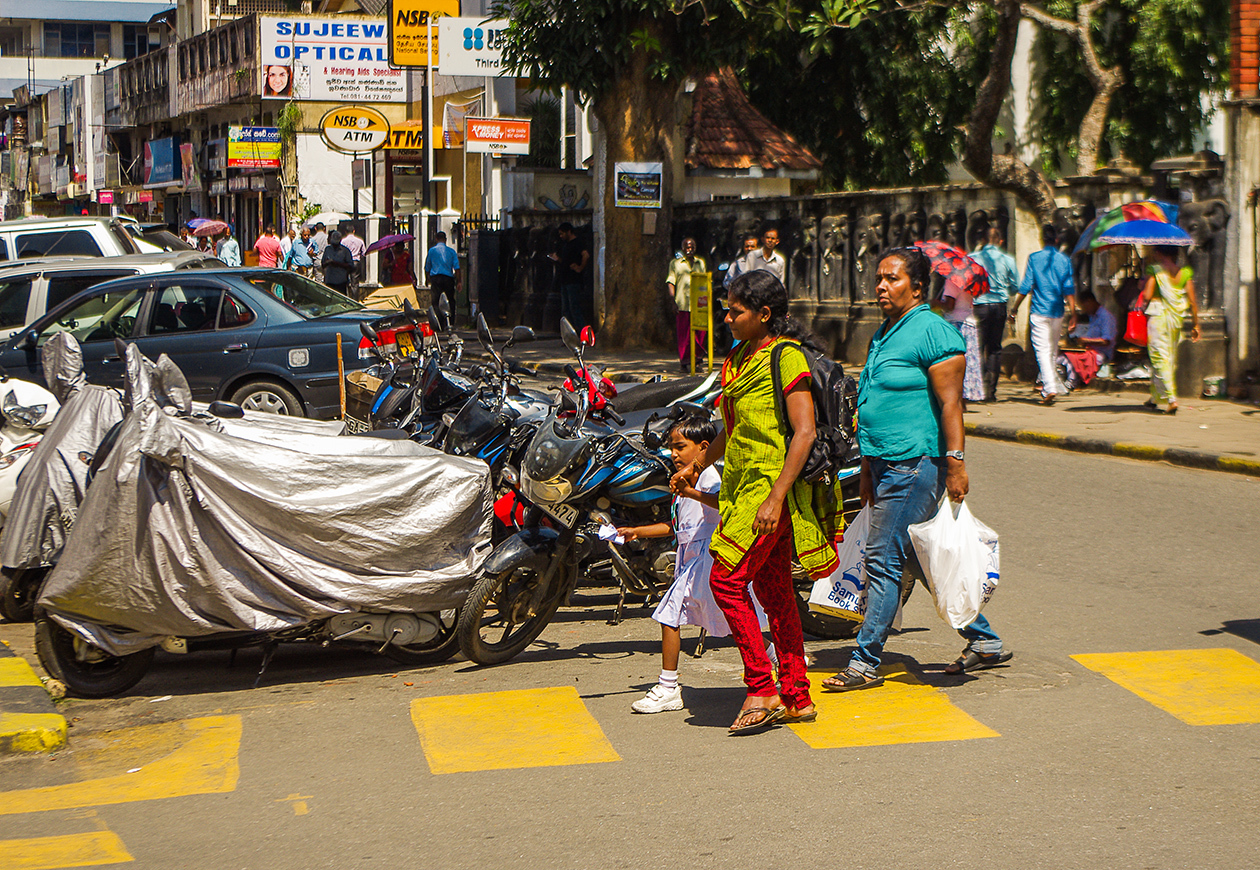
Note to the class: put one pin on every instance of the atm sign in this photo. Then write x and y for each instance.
(354, 129)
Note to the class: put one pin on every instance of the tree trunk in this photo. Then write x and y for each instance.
(637, 117)
(1003, 171)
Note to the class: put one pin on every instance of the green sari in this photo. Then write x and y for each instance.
(756, 447)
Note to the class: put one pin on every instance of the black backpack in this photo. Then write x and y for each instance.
(835, 413)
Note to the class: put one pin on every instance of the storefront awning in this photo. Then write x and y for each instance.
(127, 11)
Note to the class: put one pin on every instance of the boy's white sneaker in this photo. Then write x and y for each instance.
(659, 700)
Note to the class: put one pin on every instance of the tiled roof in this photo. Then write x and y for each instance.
(726, 132)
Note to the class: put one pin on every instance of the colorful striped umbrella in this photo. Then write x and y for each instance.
(1144, 232)
(1143, 210)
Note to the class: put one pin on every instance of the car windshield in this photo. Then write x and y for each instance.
(303, 295)
(162, 240)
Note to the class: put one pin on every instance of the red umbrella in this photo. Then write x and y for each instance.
(958, 269)
(211, 228)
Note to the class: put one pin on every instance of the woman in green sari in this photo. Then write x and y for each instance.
(767, 515)
(1168, 294)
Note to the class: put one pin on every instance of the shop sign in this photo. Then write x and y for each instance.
(471, 46)
(409, 30)
(238, 184)
(638, 185)
(408, 136)
(253, 148)
(354, 129)
(105, 197)
(218, 187)
(328, 60)
(161, 162)
(496, 136)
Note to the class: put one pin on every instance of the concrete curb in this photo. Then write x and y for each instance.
(29, 722)
(1173, 455)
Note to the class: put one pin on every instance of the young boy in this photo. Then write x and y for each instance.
(689, 601)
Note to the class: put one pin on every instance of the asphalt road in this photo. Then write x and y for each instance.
(1145, 571)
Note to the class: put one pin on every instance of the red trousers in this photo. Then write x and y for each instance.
(684, 331)
(768, 567)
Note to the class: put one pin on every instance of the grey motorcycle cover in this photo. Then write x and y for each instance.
(189, 531)
(51, 488)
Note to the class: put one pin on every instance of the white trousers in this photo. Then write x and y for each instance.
(1045, 340)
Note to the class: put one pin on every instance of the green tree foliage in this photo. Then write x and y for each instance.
(1172, 53)
(879, 103)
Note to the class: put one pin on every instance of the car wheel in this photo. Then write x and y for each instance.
(268, 397)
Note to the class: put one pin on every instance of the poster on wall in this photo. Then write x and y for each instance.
(188, 168)
(253, 148)
(338, 60)
(161, 163)
(638, 185)
(453, 117)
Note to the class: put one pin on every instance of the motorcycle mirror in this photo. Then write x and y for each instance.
(483, 334)
(410, 312)
(588, 336)
(521, 334)
(569, 335)
(444, 305)
(434, 323)
(368, 332)
(229, 410)
(30, 341)
(120, 347)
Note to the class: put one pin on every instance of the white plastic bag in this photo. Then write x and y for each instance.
(843, 594)
(959, 555)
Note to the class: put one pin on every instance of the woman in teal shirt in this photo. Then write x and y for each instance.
(910, 430)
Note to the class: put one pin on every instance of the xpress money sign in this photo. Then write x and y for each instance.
(338, 59)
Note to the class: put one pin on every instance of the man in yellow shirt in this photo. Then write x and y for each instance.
(679, 284)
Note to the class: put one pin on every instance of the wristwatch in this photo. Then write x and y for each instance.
(954, 454)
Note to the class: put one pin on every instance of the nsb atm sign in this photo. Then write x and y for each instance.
(354, 129)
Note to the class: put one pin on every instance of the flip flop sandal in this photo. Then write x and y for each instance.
(971, 660)
(811, 716)
(848, 680)
(770, 718)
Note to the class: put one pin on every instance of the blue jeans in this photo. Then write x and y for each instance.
(907, 491)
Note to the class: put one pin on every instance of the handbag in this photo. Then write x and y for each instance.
(1135, 328)
(960, 558)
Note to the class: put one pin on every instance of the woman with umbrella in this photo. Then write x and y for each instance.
(1169, 292)
(964, 278)
(396, 261)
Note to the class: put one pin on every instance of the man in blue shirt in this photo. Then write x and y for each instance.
(1048, 279)
(990, 308)
(440, 266)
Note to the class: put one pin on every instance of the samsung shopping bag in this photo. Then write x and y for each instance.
(959, 555)
(843, 594)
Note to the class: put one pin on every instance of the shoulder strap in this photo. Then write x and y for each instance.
(780, 402)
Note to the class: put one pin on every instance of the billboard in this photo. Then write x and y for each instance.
(253, 148)
(496, 136)
(409, 29)
(471, 46)
(332, 60)
(161, 162)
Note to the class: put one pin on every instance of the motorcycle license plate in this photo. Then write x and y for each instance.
(565, 514)
(406, 344)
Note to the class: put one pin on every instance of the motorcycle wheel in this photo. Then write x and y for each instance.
(104, 675)
(494, 606)
(432, 652)
(19, 589)
(821, 625)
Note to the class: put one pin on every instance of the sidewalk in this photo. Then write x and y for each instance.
(1218, 434)
(28, 720)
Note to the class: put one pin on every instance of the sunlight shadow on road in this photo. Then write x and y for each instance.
(1247, 629)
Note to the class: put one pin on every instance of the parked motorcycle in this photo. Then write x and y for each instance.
(252, 532)
(26, 411)
(577, 474)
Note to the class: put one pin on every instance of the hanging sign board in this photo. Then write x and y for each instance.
(471, 46)
(638, 185)
(409, 30)
(354, 129)
(253, 148)
(496, 136)
(325, 59)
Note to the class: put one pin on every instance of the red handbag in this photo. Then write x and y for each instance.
(1135, 329)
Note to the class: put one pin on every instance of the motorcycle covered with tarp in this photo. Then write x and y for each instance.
(53, 483)
(192, 538)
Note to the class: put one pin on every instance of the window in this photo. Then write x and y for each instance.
(61, 243)
(183, 63)
(234, 313)
(69, 285)
(137, 41)
(185, 309)
(4, 250)
(99, 318)
(15, 295)
(304, 295)
(71, 39)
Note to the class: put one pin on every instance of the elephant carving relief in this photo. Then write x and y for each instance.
(956, 228)
(871, 241)
(803, 275)
(1205, 221)
(834, 265)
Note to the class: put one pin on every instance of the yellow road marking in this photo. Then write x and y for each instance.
(205, 762)
(16, 672)
(32, 732)
(299, 803)
(506, 730)
(67, 850)
(902, 710)
(1198, 686)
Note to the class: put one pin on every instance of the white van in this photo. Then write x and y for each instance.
(65, 237)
